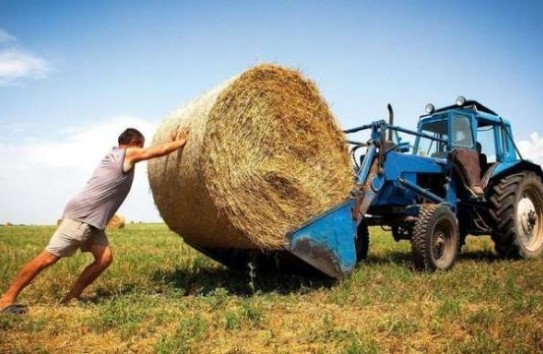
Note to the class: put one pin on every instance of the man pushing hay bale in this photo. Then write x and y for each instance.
(265, 155)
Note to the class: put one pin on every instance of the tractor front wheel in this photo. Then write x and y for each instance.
(516, 208)
(435, 238)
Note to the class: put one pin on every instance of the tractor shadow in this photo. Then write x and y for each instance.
(479, 256)
(404, 258)
(207, 281)
(392, 257)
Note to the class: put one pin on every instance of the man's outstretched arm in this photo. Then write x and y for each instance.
(137, 154)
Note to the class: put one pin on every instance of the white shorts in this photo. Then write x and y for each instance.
(71, 235)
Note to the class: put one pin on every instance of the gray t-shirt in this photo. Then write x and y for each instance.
(104, 193)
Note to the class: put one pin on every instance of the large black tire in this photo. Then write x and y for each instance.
(516, 212)
(362, 242)
(435, 238)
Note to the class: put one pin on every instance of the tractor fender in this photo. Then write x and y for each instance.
(509, 168)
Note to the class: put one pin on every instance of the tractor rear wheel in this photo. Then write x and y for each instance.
(362, 242)
(516, 208)
(435, 238)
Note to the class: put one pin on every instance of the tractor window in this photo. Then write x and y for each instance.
(461, 132)
(429, 147)
(486, 137)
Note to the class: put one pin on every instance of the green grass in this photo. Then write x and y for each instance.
(160, 296)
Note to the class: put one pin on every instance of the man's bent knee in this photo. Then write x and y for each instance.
(106, 260)
(102, 255)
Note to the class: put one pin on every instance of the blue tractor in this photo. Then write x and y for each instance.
(463, 175)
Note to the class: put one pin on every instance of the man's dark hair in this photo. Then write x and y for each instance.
(130, 134)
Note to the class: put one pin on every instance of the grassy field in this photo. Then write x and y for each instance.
(159, 296)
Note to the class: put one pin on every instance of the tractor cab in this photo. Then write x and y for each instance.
(469, 135)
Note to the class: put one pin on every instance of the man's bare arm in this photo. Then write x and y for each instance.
(137, 154)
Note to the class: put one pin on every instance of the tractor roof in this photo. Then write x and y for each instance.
(486, 116)
(467, 105)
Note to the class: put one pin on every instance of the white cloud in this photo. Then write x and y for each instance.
(532, 149)
(73, 147)
(39, 176)
(17, 63)
(77, 146)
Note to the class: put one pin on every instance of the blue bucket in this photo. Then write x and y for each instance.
(327, 242)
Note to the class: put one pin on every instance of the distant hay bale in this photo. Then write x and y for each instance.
(264, 155)
(117, 222)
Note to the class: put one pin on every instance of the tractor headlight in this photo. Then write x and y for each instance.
(429, 108)
(460, 101)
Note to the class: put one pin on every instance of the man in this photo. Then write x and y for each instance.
(86, 215)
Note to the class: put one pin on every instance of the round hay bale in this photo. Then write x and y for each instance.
(116, 222)
(264, 155)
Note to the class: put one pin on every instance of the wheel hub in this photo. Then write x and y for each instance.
(439, 245)
(526, 218)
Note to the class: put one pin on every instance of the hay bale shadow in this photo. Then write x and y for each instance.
(205, 281)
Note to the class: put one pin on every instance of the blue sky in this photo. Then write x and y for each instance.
(74, 73)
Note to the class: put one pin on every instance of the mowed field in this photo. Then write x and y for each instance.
(160, 296)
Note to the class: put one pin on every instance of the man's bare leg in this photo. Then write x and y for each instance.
(26, 275)
(102, 260)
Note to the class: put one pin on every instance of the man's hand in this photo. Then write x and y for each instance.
(182, 134)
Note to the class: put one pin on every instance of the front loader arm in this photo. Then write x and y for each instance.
(368, 183)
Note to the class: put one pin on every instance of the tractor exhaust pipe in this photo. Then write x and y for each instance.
(390, 120)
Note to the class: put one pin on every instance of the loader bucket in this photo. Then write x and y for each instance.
(325, 244)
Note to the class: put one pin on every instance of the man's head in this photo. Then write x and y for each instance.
(132, 137)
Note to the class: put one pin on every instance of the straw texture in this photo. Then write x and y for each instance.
(116, 222)
(264, 155)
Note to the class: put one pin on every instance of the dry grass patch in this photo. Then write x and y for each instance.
(159, 296)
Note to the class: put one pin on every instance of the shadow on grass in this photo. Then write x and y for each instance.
(102, 293)
(406, 258)
(486, 256)
(206, 281)
(392, 257)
